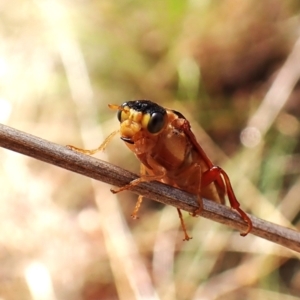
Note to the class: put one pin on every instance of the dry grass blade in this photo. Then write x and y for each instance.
(63, 157)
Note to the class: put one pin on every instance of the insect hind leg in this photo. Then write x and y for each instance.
(215, 174)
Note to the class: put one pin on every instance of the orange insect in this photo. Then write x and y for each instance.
(168, 151)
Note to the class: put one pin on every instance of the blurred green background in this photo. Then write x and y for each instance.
(231, 67)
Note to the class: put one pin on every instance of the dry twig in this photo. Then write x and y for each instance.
(61, 156)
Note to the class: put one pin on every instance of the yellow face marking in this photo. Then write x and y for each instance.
(125, 114)
(131, 114)
(145, 120)
(135, 116)
(129, 128)
(130, 122)
(133, 121)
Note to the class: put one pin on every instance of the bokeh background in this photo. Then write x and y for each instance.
(231, 67)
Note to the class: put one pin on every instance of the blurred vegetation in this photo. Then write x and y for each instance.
(62, 62)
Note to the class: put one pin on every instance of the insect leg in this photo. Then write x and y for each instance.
(214, 174)
(140, 198)
(100, 148)
(137, 207)
(160, 172)
(235, 204)
(186, 236)
(193, 175)
(136, 182)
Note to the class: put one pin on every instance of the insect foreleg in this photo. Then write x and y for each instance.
(157, 170)
(100, 148)
(138, 204)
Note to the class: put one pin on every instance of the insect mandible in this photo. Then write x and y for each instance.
(168, 151)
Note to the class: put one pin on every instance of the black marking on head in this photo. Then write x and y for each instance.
(145, 107)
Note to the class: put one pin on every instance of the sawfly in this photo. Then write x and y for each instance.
(163, 142)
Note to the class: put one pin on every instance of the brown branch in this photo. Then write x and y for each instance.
(61, 156)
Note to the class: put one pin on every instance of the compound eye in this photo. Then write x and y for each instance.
(120, 115)
(123, 113)
(156, 123)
